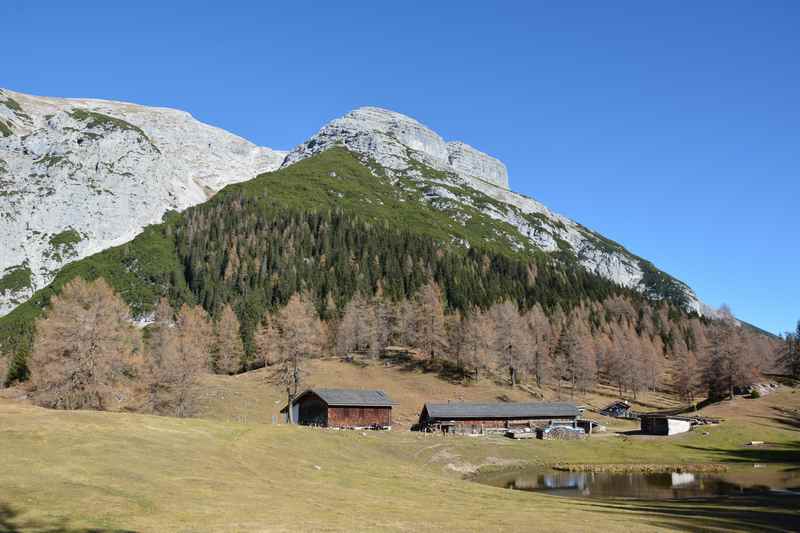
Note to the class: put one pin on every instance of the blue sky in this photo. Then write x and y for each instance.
(671, 127)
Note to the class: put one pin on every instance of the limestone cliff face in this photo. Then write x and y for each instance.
(471, 163)
(392, 139)
(400, 143)
(79, 176)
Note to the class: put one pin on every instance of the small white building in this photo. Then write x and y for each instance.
(665, 425)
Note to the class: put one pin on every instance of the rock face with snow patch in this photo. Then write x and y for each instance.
(79, 176)
(403, 145)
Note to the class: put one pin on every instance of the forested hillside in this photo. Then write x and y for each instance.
(331, 228)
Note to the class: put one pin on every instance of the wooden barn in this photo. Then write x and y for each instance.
(342, 408)
(477, 418)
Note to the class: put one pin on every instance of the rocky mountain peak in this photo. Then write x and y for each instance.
(459, 177)
(392, 139)
(78, 176)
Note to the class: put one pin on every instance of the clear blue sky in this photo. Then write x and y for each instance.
(671, 128)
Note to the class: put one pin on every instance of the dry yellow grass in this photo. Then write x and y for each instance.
(250, 397)
(136, 472)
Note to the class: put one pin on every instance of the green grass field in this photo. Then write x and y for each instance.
(70, 471)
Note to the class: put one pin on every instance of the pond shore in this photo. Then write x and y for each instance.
(696, 468)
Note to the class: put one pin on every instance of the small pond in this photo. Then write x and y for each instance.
(737, 480)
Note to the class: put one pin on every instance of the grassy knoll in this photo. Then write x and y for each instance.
(234, 471)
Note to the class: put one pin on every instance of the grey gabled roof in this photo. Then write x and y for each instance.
(456, 410)
(352, 397)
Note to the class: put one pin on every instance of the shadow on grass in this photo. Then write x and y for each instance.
(763, 512)
(444, 369)
(12, 522)
(787, 417)
(767, 453)
(632, 432)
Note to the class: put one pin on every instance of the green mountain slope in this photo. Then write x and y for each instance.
(331, 226)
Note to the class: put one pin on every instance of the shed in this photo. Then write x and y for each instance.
(342, 408)
(665, 425)
(475, 418)
(618, 409)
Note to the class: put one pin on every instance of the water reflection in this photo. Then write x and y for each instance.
(648, 486)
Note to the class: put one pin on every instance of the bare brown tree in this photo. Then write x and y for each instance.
(3, 370)
(299, 336)
(430, 335)
(358, 330)
(403, 323)
(652, 356)
(87, 351)
(178, 353)
(617, 361)
(455, 325)
(620, 310)
(539, 360)
(265, 341)
(510, 343)
(575, 359)
(685, 372)
(476, 336)
(228, 347)
(161, 333)
(789, 353)
(726, 363)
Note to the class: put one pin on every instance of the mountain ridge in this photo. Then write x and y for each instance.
(400, 143)
(193, 161)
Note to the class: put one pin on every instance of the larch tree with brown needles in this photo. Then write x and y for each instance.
(357, 331)
(430, 333)
(789, 353)
(178, 353)
(87, 351)
(3, 370)
(228, 347)
(265, 342)
(298, 337)
(510, 340)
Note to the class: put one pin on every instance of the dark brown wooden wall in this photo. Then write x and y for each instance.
(468, 424)
(359, 416)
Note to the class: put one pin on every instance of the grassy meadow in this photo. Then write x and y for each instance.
(231, 469)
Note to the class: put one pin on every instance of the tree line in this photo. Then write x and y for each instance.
(789, 353)
(90, 353)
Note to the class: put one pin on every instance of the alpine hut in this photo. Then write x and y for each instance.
(476, 418)
(341, 408)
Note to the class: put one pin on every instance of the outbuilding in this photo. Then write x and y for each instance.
(477, 418)
(342, 408)
(619, 409)
(665, 425)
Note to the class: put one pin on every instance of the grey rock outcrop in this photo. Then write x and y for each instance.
(79, 176)
(393, 140)
(469, 162)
